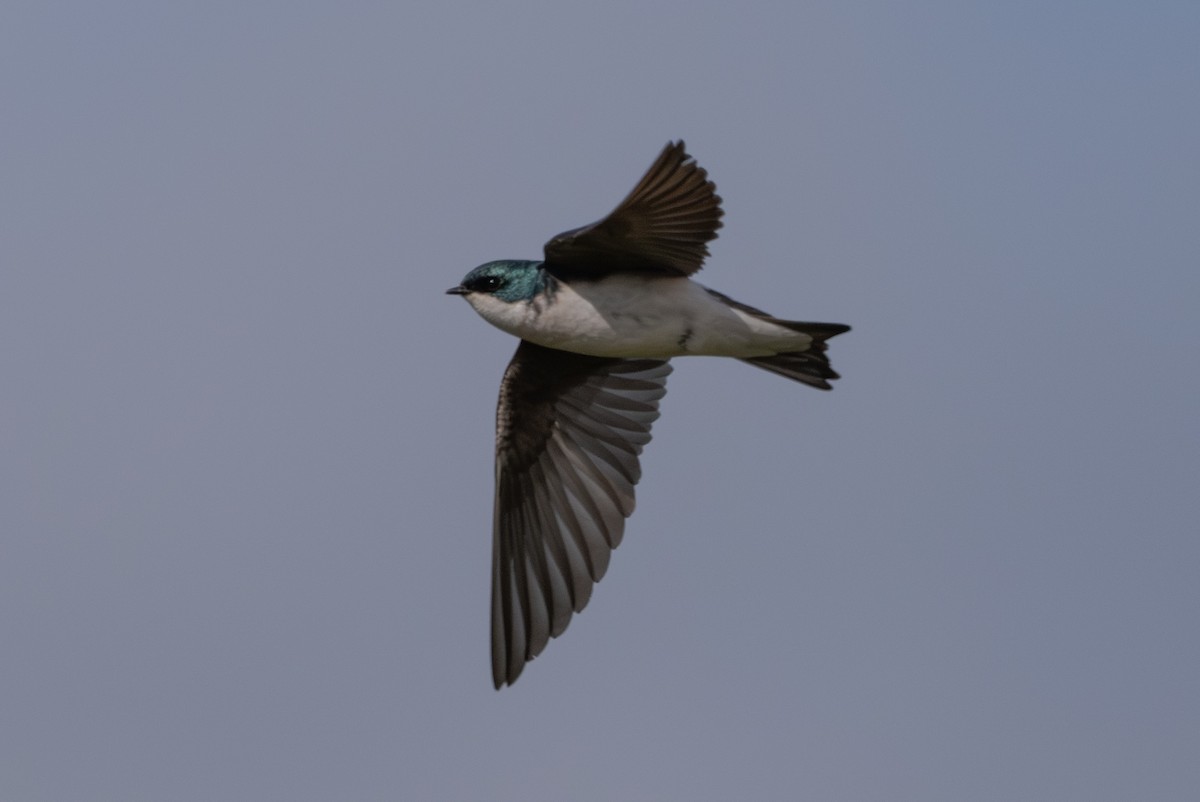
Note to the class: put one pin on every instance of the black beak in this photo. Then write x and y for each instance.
(459, 290)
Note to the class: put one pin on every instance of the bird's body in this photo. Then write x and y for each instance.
(634, 315)
(598, 320)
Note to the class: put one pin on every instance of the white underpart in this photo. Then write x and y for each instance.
(634, 316)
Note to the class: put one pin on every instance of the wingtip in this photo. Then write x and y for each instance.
(500, 677)
(500, 680)
(677, 148)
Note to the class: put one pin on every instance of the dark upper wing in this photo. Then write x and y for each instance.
(663, 226)
(569, 429)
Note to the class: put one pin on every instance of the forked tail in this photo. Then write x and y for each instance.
(810, 366)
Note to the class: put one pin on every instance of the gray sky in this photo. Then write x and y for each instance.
(247, 472)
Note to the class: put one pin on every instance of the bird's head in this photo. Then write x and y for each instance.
(508, 280)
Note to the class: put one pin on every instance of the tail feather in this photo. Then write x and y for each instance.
(810, 366)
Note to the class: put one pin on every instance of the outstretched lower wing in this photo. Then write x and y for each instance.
(569, 429)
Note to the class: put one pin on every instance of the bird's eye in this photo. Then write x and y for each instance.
(487, 283)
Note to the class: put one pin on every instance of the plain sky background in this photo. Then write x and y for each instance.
(246, 483)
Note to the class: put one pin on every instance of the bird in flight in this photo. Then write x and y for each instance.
(599, 318)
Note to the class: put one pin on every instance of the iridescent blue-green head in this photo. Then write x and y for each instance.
(509, 280)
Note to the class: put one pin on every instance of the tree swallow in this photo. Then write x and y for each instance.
(599, 317)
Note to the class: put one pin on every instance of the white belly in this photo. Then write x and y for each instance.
(633, 316)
